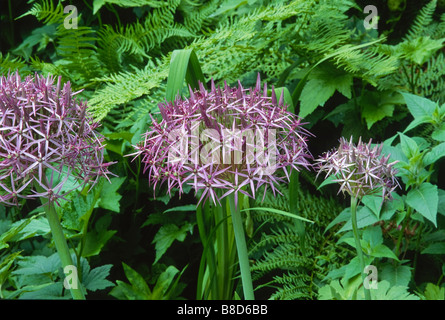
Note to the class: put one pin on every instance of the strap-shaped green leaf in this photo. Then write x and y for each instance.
(184, 65)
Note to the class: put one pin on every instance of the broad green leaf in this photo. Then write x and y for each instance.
(408, 145)
(382, 251)
(166, 235)
(329, 180)
(124, 291)
(32, 265)
(97, 4)
(184, 66)
(416, 122)
(5, 266)
(24, 229)
(378, 105)
(374, 203)
(395, 274)
(109, 195)
(297, 93)
(164, 283)
(137, 281)
(435, 248)
(439, 133)
(424, 200)
(322, 85)
(434, 154)
(375, 113)
(45, 291)
(373, 235)
(95, 240)
(419, 107)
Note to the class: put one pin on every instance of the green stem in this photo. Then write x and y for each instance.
(61, 244)
(405, 224)
(241, 247)
(357, 243)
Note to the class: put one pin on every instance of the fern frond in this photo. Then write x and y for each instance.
(141, 38)
(422, 21)
(276, 238)
(293, 287)
(124, 87)
(198, 18)
(77, 48)
(9, 64)
(136, 3)
(46, 12)
(286, 257)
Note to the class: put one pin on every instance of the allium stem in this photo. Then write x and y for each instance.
(358, 246)
(243, 258)
(61, 244)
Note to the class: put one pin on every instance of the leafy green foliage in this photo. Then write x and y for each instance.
(166, 287)
(128, 55)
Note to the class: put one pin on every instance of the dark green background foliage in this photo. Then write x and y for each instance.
(343, 79)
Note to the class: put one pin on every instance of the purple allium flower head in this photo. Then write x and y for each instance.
(360, 169)
(229, 139)
(46, 136)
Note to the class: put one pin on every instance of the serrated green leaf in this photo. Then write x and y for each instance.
(434, 292)
(374, 203)
(424, 200)
(378, 105)
(166, 235)
(109, 197)
(434, 154)
(321, 87)
(138, 283)
(385, 291)
(419, 107)
(34, 265)
(96, 278)
(373, 235)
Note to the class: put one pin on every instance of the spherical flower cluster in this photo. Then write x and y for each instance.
(360, 169)
(229, 139)
(46, 137)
